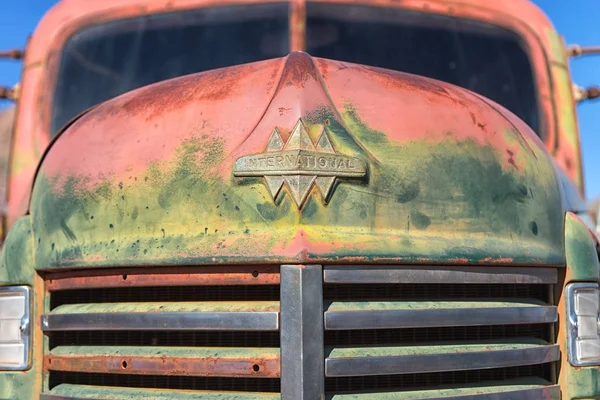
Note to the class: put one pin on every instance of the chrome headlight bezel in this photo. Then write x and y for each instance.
(575, 324)
(24, 327)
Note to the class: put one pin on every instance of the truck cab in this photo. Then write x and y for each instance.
(299, 200)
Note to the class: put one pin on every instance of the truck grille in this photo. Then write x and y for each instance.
(199, 329)
(399, 331)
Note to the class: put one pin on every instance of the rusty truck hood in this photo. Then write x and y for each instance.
(297, 160)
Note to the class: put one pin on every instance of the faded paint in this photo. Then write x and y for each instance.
(171, 198)
(69, 16)
(453, 178)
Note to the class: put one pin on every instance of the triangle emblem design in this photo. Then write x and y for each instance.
(300, 164)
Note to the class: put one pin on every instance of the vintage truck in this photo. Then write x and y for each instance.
(341, 199)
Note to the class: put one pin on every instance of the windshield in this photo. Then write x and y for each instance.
(104, 61)
(483, 58)
(107, 60)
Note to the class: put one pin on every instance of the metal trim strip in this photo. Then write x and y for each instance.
(425, 363)
(550, 392)
(389, 319)
(166, 321)
(302, 343)
(439, 274)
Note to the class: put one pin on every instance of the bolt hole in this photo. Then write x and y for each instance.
(124, 277)
(49, 361)
(124, 364)
(256, 367)
(255, 274)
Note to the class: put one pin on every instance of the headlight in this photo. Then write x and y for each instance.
(583, 307)
(14, 327)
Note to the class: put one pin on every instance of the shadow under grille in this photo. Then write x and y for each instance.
(165, 294)
(166, 382)
(408, 382)
(164, 338)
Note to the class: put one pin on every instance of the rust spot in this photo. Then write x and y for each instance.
(283, 110)
(299, 67)
(231, 366)
(511, 159)
(155, 100)
(180, 276)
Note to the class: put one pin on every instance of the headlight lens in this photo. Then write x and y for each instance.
(583, 307)
(14, 327)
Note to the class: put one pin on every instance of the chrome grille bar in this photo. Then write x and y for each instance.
(441, 362)
(407, 318)
(438, 274)
(217, 321)
(302, 375)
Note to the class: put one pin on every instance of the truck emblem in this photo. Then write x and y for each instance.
(300, 163)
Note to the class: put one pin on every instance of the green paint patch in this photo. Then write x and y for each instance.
(351, 352)
(176, 352)
(117, 393)
(426, 305)
(189, 306)
(441, 201)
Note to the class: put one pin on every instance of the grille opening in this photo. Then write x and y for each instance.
(411, 336)
(166, 382)
(166, 293)
(357, 292)
(409, 382)
(164, 338)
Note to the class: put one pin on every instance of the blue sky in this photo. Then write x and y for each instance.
(576, 21)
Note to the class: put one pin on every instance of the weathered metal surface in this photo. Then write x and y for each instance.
(172, 307)
(582, 266)
(297, 25)
(180, 276)
(69, 16)
(576, 50)
(437, 274)
(521, 390)
(387, 315)
(180, 361)
(172, 199)
(302, 354)
(365, 361)
(78, 392)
